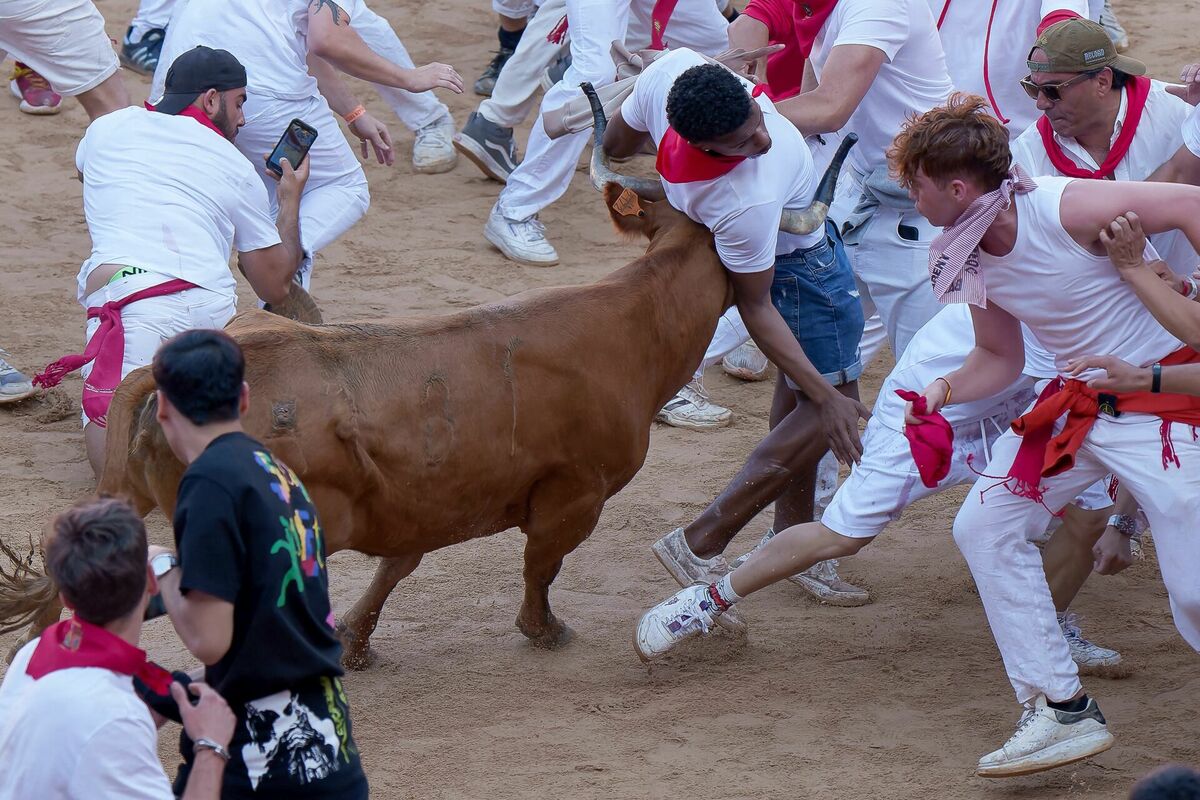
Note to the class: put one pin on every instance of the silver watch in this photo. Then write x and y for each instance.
(163, 563)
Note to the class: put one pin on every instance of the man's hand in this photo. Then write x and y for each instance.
(434, 76)
(374, 133)
(1112, 552)
(1121, 375)
(291, 182)
(1125, 242)
(1190, 77)
(935, 398)
(839, 419)
(210, 718)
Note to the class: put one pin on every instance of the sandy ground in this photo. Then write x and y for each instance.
(894, 700)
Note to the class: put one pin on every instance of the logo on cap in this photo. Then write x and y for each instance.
(1092, 56)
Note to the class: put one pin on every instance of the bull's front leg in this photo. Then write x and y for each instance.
(356, 627)
(562, 514)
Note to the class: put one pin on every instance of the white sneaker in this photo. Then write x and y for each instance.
(522, 240)
(1091, 658)
(433, 149)
(681, 616)
(1047, 738)
(747, 362)
(14, 384)
(692, 408)
(821, 580)
(687, 569)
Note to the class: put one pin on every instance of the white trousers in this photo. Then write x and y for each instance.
(415, 109)
(514, 9)
(994, 526)
(335, 196)
(546, 171)
(151, 14)
(62, 40)
(892, 271)
(512, 97)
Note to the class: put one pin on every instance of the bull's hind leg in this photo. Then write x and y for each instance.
(358, 625)
(562, 514)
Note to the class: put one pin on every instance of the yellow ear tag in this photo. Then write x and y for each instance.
(627, 204)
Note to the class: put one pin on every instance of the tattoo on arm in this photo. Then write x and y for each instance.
(337, 12)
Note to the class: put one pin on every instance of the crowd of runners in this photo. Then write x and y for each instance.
(1018, 220)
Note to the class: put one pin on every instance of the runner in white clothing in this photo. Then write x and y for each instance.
(274, 42)
(1184, 164)
(1114, 124)
(1036, 260)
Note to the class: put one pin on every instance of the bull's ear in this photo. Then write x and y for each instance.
(627, 209)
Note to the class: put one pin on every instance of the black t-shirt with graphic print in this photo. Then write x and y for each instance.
(247, 532)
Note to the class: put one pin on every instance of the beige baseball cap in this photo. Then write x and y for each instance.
(1080, 45)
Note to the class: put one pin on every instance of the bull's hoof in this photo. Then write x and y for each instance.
(356, 650)
(548, 636)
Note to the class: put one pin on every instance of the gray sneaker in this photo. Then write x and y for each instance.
(821, 580)
(687, 568)
(554, 73)
(1114, 28)
(1091, 658)
(486, 82)
(489, 146)
(14, 385)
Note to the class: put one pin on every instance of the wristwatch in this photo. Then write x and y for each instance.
(163, 563)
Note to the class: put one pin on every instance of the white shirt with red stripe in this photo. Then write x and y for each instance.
(76, 734)
(987, 43)
(742, 207)
(912, 79)
(1158, 137)
(170, 195)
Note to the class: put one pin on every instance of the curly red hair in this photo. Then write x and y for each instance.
(958, 140)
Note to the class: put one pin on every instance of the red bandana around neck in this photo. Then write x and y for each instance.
(75, 643)
(196, 114)
(1136, 92)
(679, 161)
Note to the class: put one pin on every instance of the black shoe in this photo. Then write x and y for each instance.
(143, 56)
(486, 82)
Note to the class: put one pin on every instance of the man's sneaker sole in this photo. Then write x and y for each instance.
(820, 591)
(668, 418)
(731, 620)
(16, 398)
(744, 374)
(479, 156)
(511, 256)
(37, 111)
(1057, 755)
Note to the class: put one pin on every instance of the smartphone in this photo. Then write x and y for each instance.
(293, 145)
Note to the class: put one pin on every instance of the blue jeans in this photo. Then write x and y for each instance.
(815, 293)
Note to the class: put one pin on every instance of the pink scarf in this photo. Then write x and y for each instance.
(932, 444)
(107, 349)
(954, 253)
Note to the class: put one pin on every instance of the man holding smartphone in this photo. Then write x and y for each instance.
(160, 244)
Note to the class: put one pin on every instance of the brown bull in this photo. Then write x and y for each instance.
(415, 434)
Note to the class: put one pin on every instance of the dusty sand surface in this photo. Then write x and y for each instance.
(894, 700)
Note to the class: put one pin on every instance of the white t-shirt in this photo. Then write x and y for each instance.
(269, 37)
(742, 207)
(1074, 302)
(76, 734)
(940, 347)
(912, 79)
(168, 194)
(1191, 132)
(1158, 137)
(987, 44)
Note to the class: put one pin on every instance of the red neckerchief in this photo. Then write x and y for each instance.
(659, 17)
(681, 162)
(196, 114)
(1136, 92)
(815, 12)
(75, 643)
(932, 444)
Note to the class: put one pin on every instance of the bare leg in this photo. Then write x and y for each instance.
(791, 551)
(1067, 557)
(94, 438)
(358, 625)
(781, 469)
(110, 95)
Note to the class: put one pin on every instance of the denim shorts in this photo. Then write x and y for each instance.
(815, 293)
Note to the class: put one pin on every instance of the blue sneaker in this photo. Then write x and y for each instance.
(143, 56)
(14, 385)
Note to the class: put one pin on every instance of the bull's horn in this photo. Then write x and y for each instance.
(812, 218)
(601, 172)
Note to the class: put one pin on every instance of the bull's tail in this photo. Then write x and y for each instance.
(27, 593)
(124, 418)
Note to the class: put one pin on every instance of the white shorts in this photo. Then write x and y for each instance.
(63, 40)
(887, 481)
(150, 322)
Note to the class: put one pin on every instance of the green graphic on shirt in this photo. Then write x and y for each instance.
(301, 530)
(335, 701)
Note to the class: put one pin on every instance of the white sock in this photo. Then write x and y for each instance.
(724, 590)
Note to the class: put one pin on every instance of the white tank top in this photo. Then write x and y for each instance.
(1074, 302)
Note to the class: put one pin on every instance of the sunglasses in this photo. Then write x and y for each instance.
(1053, 91)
